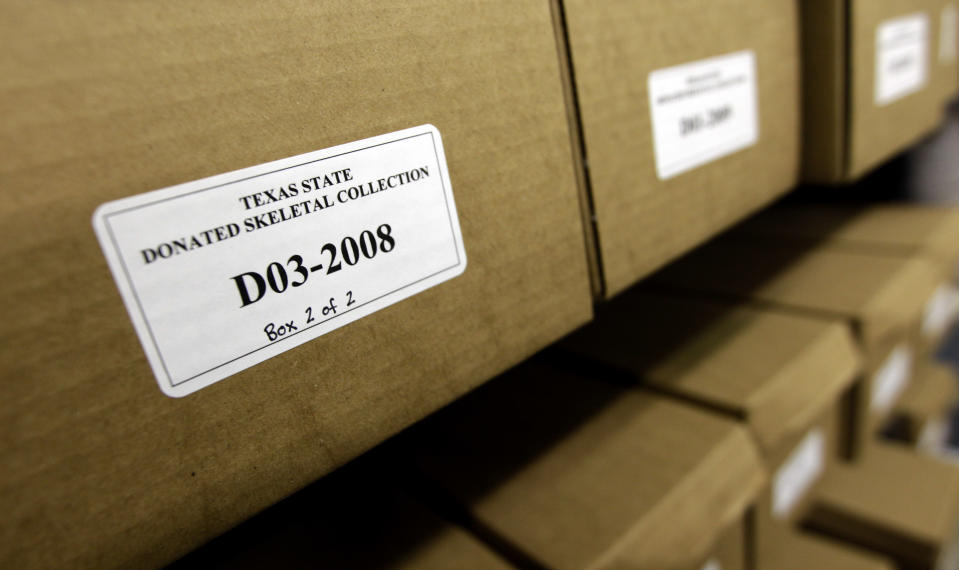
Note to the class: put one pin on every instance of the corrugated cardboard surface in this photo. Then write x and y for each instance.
(800, 551)
(576, 473)
(776, 371)
(929, 397)
(876, 133)
(895, 501)
(895, 229)
(109, 99)
(881, 297)
(945, 71)
(350, 520)
(644, 222)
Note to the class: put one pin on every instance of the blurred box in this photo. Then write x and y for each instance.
(574, 473)
(353, 519)
(945, 75)
(871, 90)
(895, 502)
(782, 374)
(880, 297)
(689, 116)
(905, 230)
(798, 551)
(920, 416)
(104, 101)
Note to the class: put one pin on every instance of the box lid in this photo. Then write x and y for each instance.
(893, 500)
(797, 551)
(578, 473)
(931, 393)
(107, 100)
(880, 295)
(778, 371)
(902, 229)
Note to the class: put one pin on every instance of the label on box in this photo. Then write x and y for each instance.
(891, 379)
(702, 111)
(798, 473)
(223, 273)
(902, 57)
(940, 310)
(948, 28)
(712, 564)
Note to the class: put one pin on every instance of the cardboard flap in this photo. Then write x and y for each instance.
(902, 297)
(778, 371)
(798, 551)
(931, 394)
(871, 291)
(892, 495)
(579, 474)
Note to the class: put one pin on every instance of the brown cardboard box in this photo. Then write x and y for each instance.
(895, 502)
(782, 374)
(105, 100)
(905, 230)
(920, 415)
(880, 297)
(799, 551)
(574, 473)
(856, 117)
(647, 208)
(353, 519)
(945, 53)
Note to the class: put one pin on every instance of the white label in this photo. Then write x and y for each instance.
(712, 564)
(891, 379)
(948, 28)
(702, 111)
(222, 273)
(940, 311)
(798, 473)
(902, 53)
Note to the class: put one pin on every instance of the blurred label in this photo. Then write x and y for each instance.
(703, 111)
(940, 311)
(902, 54)
(891, 379)
(798, 473)
(712, 564)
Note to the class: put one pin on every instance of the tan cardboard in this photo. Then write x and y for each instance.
(905, 230)
(925, 403)
(106, 100)
(783, 375)
(800, 551)
(895, 502)
(641, 221)
(354, 519)
(577, 473)
(880, 297)
(731, 548)
(945, 44)
(846, 133)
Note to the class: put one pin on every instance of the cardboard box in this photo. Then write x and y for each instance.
(356, 518)
(870, 93)
(105, 100)
(781, 374)
(880, 297)
(945, 30)
(799, 551)
(905, 230)
(576, 473)
(680, 163)
(895, 502)
(920, 416)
